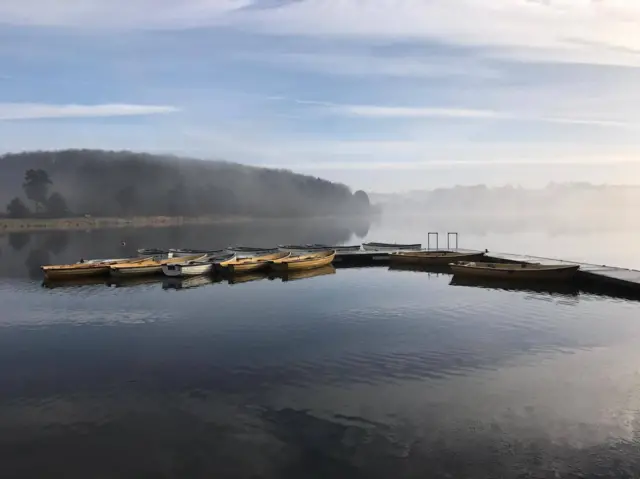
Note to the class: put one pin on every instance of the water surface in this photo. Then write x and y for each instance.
(369, 372)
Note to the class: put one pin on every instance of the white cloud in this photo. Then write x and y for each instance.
(552, 30)
(33, 111)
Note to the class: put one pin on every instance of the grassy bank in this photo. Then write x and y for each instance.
(9, 225)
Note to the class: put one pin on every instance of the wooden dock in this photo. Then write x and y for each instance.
(593, 278)
(589, 274)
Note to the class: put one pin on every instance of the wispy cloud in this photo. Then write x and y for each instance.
(34, 111)
(365, 63)
(390, 112)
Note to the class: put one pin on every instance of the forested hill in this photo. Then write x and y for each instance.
(109, 183)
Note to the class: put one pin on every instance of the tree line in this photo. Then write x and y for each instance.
(124, 184)
(36, 188)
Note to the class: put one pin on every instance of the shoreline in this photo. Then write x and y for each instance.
(11, 225)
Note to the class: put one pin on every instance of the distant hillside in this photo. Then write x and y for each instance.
(571, 199)
(108, 183)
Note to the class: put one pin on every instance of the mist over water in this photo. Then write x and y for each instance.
(370, 372)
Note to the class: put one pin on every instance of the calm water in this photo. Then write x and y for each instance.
(352, 373)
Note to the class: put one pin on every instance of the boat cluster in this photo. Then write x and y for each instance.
(285, 258)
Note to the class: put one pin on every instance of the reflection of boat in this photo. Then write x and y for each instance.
(152, 252)
(421, 268)
(85, 268)
(524, 271)
(204, 265)
(390, 246)
(255, 263)
(306, 248)
(562, 288)
(433, 257)
(75, 282)
(309, 261)
(183, 253)
(304, 273)
(130, 281)
(187, 283)
(148, 266)
(249, 251)
(247, 277)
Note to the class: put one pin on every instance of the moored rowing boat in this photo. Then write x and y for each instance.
(147, 267)
(200, 266)
(519, 271)
(85, 269)
(309, 261)
(254, 263)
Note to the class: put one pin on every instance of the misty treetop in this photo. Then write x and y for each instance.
(109, 183)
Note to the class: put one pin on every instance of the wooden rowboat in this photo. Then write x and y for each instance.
(432, 257)
(524, 271)
(390, 246)
(245, 265)
(197, 267)
(147, 267)
(309, 261)
(85, 269)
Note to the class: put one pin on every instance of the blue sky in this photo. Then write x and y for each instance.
(386, 95)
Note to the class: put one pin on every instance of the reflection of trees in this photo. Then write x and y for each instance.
(36, 258)
(19, 240)
(56, 241)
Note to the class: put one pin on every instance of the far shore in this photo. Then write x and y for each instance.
(10, 225)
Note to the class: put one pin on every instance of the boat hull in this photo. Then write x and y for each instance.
(137, 271)
(91, 270)
(246, 265)
(433, 257)
(311, 261)
(520, 272)
(177, 270)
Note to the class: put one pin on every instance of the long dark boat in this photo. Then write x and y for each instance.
(177, 253)
(433, 257)
(250, 251)
(152, 252)
(306, 248)
(390, 246)
(519, 271)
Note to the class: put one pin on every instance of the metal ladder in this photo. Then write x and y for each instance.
(450, 235)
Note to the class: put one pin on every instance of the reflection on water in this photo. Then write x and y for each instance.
(303, 274)
(553, 288)
(344, 373)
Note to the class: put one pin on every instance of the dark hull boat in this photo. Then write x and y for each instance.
(306, 248)
(521, 272)
(391, 247)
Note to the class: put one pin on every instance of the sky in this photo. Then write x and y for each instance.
(383, 95)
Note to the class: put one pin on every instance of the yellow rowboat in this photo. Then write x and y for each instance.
(246, 265)
(307, 261)
(433, 257)
(529, 272)
(85, 269)
(148, 266)
(304, 273)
